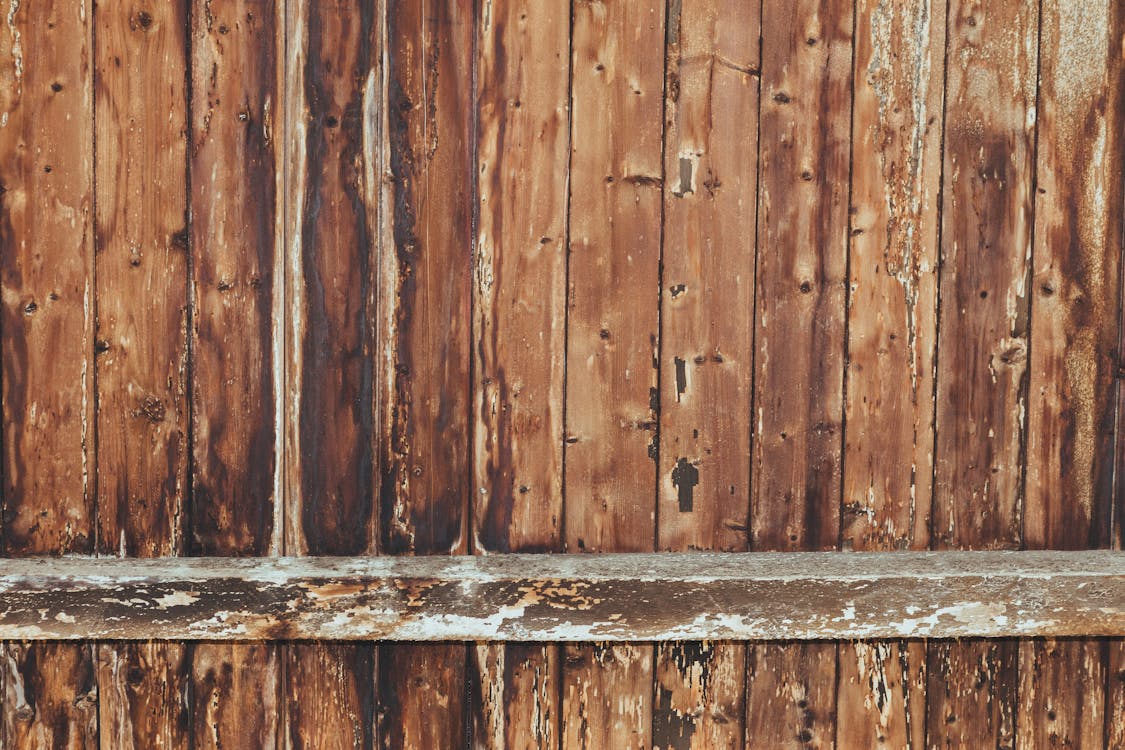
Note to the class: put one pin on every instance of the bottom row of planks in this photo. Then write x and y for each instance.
(979, 693)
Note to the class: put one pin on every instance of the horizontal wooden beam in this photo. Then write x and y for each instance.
(755, 596)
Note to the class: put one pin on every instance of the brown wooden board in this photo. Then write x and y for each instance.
(333, 108)
(710, 166)
(986, 245)
(799, 329)
(425, 329)
(519, 339)
(612, 396)
(892, 335)
(235, 156)
(47, 502)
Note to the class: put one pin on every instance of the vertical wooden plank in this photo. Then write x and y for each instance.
(330, 696)
(1074, 315)
(425, 329)
(986, 244)
(47, 328)
(519, 319)
(234, 166)
(1076, 276)
(617, 90)
(1115, 693)
(790, 696)
(805, 127)
(710, 163)
(971, 694)
(515, 695)
(140, 131)
(332, 109)
(892, 336)
(607, 696)
(144, 696)
(982, 344)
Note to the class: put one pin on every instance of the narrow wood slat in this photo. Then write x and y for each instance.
(519, 327)
(616, 176)
(710, 167)
(235, 156)
(47, 502)
(425, 340)
(799, 328)
(664, 596)
(987, 201)
(141, 134)
(333, 108)
(892, 336)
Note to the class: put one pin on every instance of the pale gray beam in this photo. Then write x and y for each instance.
(611, 597)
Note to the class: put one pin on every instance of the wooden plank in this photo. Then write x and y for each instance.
(612, 409)
(142, 325)
(1115, 693)
(988, 168)
(711, 161)
(1061, 694)
(789, 702)
(333, 92)
(236, 128)
(236, 691)
(425, 329)
(46, 320)
(892, 336)
(568, 597)
(1076, 276)
(144, 695)
(519, 328)
(799, 333)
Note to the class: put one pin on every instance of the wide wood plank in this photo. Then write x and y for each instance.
(612, 409)
(333, 109)
(804, 132)
(425, 340)
(519, 327)
(983, 337)
(710, 163)
(141, 138)
(892, 336)
(47, 502)
(235, 236)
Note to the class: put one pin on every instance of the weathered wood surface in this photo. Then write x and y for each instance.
(569, 597)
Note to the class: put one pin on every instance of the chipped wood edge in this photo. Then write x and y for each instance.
(611, 597)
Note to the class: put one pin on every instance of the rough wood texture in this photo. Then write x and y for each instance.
(569, 597)
(519, 335)
(236, 129)
(144, 696)
(425, 332)
(47, 501)
(612, 396)
(789, 702)
(333, 109)
(710, 164)
(889, 394)
(1075, 282)
(983, 341)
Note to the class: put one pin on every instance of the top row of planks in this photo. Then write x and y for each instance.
(431, 277)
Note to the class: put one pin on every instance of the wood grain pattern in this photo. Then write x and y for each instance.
(236, 67)
(1061, 694)
(425, 322)
(46, 322)
(1075, 281)
(710, 164)
(612, 396)
(333, 105)
(519, 327)
(799, 335)
(141, 173)
(892, 336)
(983, 338)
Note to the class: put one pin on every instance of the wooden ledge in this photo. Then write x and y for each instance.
(668, 596)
